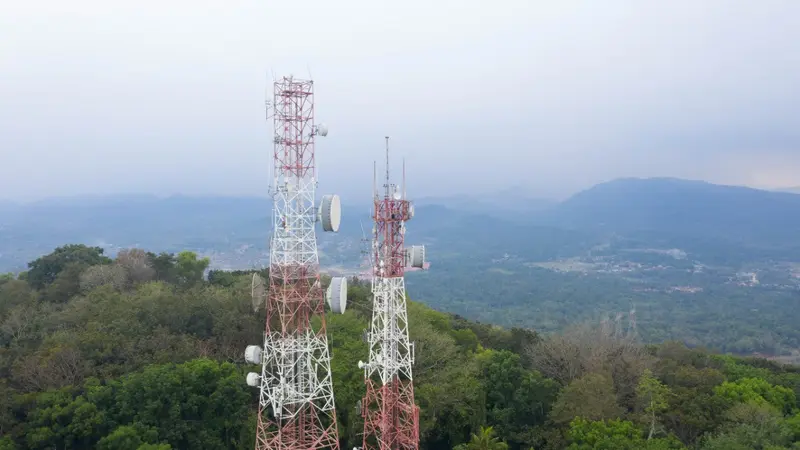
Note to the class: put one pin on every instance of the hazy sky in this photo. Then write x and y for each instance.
(168, 96)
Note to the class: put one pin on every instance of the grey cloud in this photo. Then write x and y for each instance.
(167, 97)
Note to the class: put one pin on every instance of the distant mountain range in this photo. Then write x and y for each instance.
(792, 190)
(671, 211)
(676, 207)
(510, 204)
(720, 222)
(505, 257)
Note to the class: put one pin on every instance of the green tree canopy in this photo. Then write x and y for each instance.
(591, 396)
(652, 397)
(759, 391)
(613, 435)
(516, 400)
(189, 269)
(44, 270)
(484, 439)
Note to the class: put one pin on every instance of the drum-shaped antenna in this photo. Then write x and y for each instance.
(253, 379)
(330, 212)
(337, 294)
(252, 354)
(417, 256)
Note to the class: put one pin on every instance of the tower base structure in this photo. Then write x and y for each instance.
(392, 418)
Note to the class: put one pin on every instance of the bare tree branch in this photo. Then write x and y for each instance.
(136, 264)
(102, 275)
(586, 348)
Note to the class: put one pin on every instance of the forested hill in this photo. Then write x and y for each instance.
(142, 352)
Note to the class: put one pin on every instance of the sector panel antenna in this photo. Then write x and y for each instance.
(337, 295)
(257, 291)
(330, 211)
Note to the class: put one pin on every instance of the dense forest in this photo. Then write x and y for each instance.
(722, 317)
(570, 268)
(145, 351)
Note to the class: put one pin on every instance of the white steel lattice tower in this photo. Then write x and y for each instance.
(296, 405)
(391, 418)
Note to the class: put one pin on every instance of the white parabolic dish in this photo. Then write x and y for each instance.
(252, 379)
(337, 294)
(252, 354)
(330, 211)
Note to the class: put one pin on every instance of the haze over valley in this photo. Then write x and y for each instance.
(709, 265)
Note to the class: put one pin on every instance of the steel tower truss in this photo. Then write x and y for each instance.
(296, 405)
(390, 415)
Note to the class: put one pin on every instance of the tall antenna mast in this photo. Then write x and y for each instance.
(387, 167)
(296, 406)
(404, 178)
(391, 418)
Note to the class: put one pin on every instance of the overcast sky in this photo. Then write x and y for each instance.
(168, 96)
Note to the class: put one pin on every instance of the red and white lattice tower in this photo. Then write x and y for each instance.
(296, 406)
(391, 418)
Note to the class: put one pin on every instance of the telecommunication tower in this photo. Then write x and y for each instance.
(391, 418)
(296, 406)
